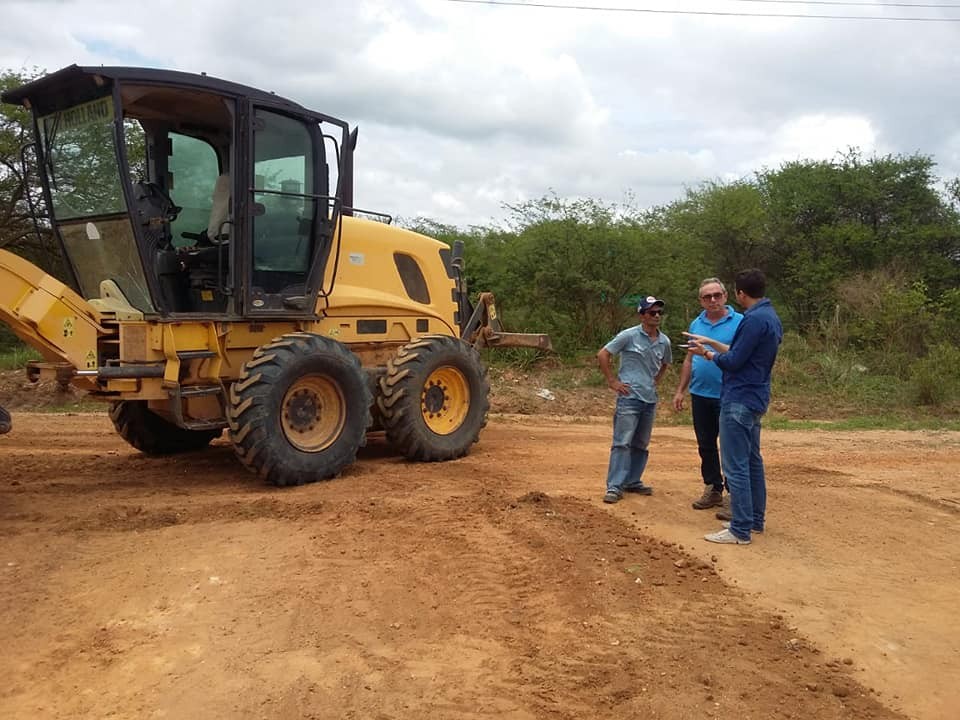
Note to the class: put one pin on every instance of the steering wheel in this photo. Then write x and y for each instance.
(154, 202)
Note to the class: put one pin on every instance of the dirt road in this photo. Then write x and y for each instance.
(495, 586)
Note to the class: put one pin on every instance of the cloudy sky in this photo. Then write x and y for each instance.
(463, 107)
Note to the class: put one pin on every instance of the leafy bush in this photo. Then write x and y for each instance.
(17, 356)
(8, 340)
(934, 380)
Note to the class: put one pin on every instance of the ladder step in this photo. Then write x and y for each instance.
(177, 396)
(204, 424)
(200, 391)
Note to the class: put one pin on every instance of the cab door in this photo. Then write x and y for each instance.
(288, 214)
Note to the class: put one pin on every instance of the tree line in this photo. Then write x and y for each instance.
(862, 253)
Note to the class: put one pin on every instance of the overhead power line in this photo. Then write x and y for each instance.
(922, 6)
(716, 13)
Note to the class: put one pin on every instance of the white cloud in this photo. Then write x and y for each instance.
(815, 137)
(463, 108)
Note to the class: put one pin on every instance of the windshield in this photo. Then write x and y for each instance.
(88, 205)
(81, 161)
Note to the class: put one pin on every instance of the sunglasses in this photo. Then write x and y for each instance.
(712, 296)
(654, 312)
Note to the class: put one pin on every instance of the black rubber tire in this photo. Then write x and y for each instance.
(267, 422)
(151, 434)
(403, 398)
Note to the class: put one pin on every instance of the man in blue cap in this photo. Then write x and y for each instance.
(645, 355)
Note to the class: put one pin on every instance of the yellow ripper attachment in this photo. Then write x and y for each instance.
(483, 329)
(48, 315)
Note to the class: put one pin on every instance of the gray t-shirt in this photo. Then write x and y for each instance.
(640, 360)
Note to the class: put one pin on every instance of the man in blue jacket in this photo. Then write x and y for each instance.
(645, 355)
(718, 321)
(746, 364)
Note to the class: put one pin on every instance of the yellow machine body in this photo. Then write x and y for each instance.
(226, 280)
(369, 310)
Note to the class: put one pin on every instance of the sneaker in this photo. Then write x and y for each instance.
(725, 537)
(711, 498)
(640, 489)
(724, 512)
(753, 530)
(5, 424)
(612, 497)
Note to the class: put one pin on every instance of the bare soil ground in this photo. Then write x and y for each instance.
(494, 586)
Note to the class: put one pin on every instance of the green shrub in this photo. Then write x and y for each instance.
(15, 357)
(934, 379)
(8, 341)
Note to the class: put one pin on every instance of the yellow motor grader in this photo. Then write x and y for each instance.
(221, 278)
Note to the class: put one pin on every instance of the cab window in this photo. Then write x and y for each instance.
(194, 168)
(283, 186)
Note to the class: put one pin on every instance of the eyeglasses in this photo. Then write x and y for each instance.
(654, 312)
(712, 296)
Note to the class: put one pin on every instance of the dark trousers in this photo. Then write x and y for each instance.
(706, 425)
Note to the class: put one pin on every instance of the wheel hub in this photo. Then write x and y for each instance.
(445, 400)
(434, 399)
(303, 410)
(314, 413)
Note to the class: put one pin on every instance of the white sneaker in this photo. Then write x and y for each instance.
(725, 537)
(726, 526)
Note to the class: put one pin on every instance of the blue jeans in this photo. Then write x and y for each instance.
(632, 427)
(743, 468)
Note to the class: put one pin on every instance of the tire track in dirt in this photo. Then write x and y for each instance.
(595, 635)
(397, 591)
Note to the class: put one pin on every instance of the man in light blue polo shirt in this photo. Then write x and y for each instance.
(747, 363)
(718, 321)
(645, 355)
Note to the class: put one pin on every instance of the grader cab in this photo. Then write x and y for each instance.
(221, 278)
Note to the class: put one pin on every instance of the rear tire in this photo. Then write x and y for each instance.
(300, 409)
(151, 434)
(434, 398)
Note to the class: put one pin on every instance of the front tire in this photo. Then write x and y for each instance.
(434, 398)
(299, 411)
(153, 435)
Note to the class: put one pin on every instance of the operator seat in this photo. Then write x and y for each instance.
(207, 263)
(220, 211)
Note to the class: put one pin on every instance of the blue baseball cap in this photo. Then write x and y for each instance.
(648, 302)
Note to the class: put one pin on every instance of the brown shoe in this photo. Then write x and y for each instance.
(724, 512)
(710, 498)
